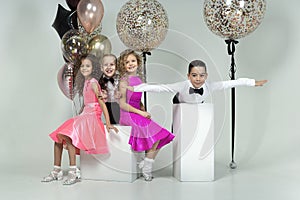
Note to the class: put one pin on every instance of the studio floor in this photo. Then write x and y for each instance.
(274, 181)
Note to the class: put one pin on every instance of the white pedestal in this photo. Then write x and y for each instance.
(193, 146)
(118, 165)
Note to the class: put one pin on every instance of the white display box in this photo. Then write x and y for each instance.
(119, 165)
(193, 146)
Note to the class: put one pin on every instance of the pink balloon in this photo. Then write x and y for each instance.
(90, 14)
(65, 80)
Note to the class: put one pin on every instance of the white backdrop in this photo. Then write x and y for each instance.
(32, 104)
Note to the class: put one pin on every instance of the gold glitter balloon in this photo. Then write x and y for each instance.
(73, 45)
(99, 45)
(142, 24)
(233, 19)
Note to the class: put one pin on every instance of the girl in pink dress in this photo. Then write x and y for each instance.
(85, 131)
(146, 135)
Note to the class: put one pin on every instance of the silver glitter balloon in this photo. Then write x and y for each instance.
(142, 24)
(233, 19)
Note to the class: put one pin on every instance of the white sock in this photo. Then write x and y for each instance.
(57, 168)
(148, 165)
(73, 167)
(150, 160)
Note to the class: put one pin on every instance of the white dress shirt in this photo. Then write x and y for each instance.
(111, 89)
(182, 88)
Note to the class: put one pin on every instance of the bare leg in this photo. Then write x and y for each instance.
(71, 150)
(151, 153)
(148, 162)
(56, 173)
(58, 148)
(73, 173)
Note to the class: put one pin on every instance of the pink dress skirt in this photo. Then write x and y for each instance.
(85, 130)
(144, 132)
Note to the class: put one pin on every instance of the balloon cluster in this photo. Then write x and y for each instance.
(79, 30)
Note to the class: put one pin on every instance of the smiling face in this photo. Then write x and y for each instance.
(197, 76)
(108, 66)
(86, 68)
(131, 64)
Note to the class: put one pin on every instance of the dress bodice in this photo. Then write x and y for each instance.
(88, 93)
(134, 98)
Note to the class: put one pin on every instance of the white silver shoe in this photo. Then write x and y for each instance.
(73, 177)
(147, 176)
(54, 175)
(146, 170)
(141, 164)
(78, 173)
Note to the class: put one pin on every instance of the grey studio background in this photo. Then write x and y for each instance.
(267, 127)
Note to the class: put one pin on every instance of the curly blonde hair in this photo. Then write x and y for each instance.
(79, 78)
(122, 60)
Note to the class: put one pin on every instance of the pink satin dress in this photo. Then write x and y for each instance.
(85, 130)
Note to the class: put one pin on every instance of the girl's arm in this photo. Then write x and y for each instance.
(142, 106)
(104, 108)
(125, 106)
(171, 88)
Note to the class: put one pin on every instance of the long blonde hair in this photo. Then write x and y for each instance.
(121, 64)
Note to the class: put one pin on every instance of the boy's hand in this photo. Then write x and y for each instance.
(260, 83)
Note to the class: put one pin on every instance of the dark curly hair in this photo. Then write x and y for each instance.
(79, 78)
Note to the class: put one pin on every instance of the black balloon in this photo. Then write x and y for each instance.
(64, 20)
(72, 4)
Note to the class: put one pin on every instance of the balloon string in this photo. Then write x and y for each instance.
(70, 22)
(144, 61)
(231, 46)
(231, 50)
